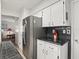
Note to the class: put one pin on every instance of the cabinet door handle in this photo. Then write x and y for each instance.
(57, 57)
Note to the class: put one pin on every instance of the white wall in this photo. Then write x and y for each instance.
(24, 13)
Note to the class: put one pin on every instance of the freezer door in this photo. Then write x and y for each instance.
(37, 29)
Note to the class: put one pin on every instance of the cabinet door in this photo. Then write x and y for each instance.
(40, 49)
(51, 51)
(57, 13)
(46, 17)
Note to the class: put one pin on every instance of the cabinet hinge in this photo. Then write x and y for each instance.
(63, 2)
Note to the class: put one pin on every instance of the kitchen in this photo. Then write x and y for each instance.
(45, 28)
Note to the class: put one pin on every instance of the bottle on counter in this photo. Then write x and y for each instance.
(55, 35)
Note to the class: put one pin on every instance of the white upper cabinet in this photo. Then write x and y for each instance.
(54, 15)
(46, 17)
(57, 14)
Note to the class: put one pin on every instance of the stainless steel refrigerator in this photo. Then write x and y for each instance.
(32, 31)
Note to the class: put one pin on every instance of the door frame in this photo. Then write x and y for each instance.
(72, 31)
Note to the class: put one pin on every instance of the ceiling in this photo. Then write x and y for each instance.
(15, 6)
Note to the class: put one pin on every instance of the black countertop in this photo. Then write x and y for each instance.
(59, 42)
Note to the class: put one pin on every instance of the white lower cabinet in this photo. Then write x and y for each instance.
(51, 51)
(46, 17)
(46, 50)
(57, 13)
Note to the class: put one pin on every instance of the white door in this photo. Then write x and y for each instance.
(46, 17)
(76, 29)
(40, 49)
(57, 13)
